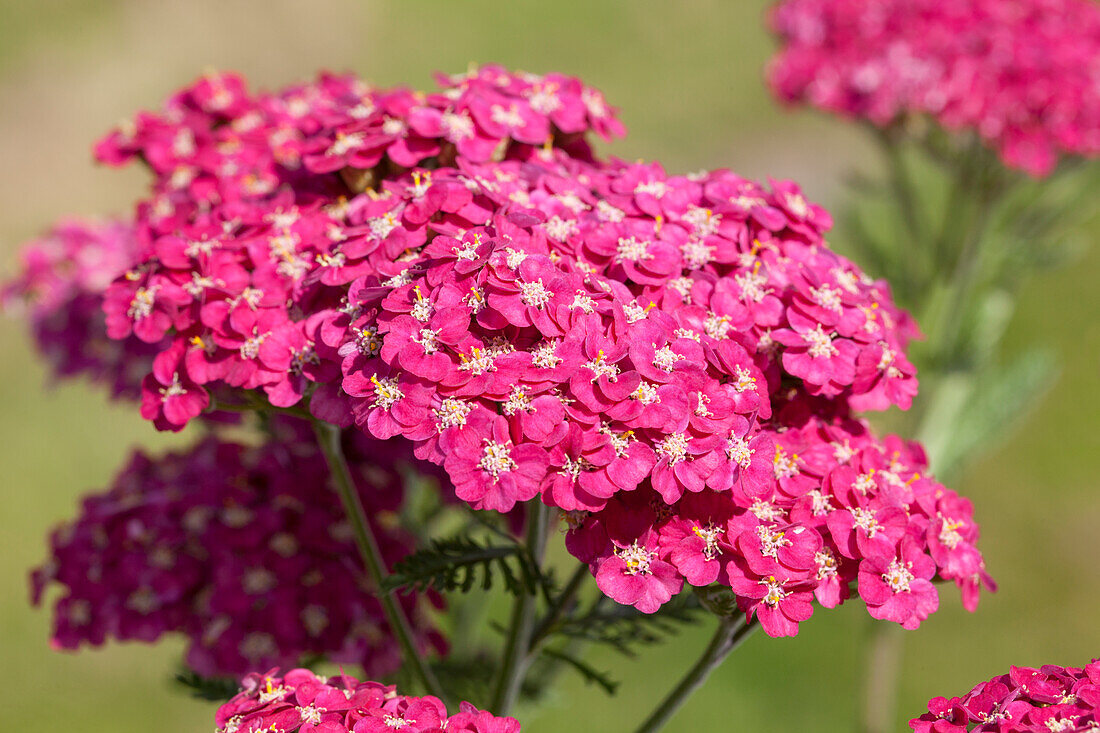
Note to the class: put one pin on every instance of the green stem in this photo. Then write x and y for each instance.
(559, 607)
(328, 438)
(514, 665)
(881, 683)
(902, 183)
(729, 635)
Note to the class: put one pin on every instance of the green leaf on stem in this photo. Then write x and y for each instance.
(624, 628)
(214, 689)
(999, 397)
(462, 562)
(590, 674)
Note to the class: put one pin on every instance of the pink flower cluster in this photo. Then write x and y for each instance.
(243, 550)
(60, 288)
(1022, 75)
(1045, 700)
(301, 701)
(601, 335)
(820, 504)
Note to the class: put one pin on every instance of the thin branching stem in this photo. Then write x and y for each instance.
(514, 665)
(730, 633)
(328, 438)
(558, 607)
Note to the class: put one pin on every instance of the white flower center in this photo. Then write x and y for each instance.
(457, 126)
(821, 343)
(738, 451)
(745, 380)
(674, 448)
(656, 189)
(544, 355)
(452, 412)
(518, 401)
(344, 144)
(602, 368)
(637, 559)
(865, 520)
(142, 303)
(496, 459)
(898, 577)
(665, 359)
(752, 286)
(427, 340)
(646, 393)
(785, 465)
(631, 250)
(560, 229)
(826, 563)
(826, 297)
(535, 294)
(775, 592)
(386, 392)
(710, 535)
(510, 117)
(771, 541)
(696, 254)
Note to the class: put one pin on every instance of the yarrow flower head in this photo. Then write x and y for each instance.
(60, 289)
(240, 550)
(303, 701)
(1050, 699)
(676, 359)
(1022, 75)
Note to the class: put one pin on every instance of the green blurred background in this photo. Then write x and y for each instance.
(687, 77)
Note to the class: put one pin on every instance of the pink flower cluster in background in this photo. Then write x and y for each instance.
(244, 550)
(673, 361)
(1024, 75)
(1049, 699)
(60, 288)
(303, 701)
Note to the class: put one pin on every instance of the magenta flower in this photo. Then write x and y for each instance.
(672, 360)
(302, 702)
(1016, 75)
(490, 471)
(900, 589)
(1050, 698)
(239, 550)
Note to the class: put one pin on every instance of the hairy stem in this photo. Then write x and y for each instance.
(328, 438)
(514, 665)
(729, 635)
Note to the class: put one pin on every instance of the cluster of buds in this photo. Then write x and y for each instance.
(1050, 699)
(672, 361)
(243, 550)
(305, 702)
(1021, 75)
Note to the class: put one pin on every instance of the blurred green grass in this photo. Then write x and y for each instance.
(687, 77)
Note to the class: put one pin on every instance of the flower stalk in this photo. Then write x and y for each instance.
(731, 632)
(516, 660)
(328, 438)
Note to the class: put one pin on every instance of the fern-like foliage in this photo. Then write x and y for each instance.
(215, 689)
(624, 628)
(459, 563)
(590, 674)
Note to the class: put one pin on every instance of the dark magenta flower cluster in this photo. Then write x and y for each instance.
(1021, 75)
(240, 550)
(1050, 699)
(303, 702)
(59, 290)
(672, 361)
